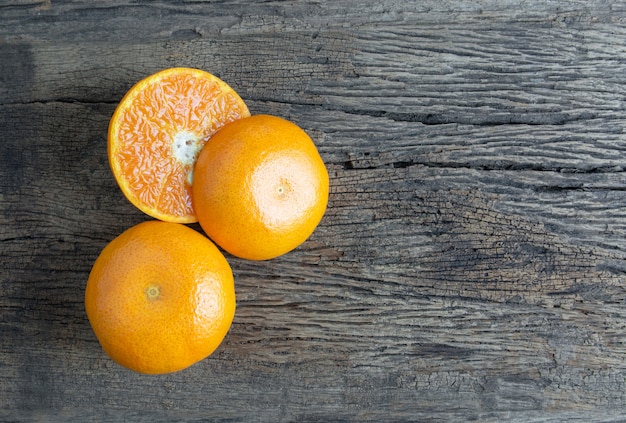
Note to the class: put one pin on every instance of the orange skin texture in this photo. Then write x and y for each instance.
(160, 297)
(157, 131)
(260, 187)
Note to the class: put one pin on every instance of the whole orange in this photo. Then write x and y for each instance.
(260, 187)
(160, 297)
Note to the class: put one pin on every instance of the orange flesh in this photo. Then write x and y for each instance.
(157, 132)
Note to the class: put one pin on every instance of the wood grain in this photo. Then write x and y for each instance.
(470, 266)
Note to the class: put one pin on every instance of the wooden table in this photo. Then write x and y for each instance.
(470, 266)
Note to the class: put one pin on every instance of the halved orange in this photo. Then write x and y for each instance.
(157, 132)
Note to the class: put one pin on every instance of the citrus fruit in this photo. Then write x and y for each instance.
(157, 131)
(260, 187)
(160, 297)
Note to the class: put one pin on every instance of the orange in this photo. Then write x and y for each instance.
(260, 187)
(160, 297)
(157, 131)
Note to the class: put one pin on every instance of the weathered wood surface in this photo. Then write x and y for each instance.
(471, 265)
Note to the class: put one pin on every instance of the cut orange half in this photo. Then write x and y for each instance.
(157, 132)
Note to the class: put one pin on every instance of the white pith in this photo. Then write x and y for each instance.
(185, 148)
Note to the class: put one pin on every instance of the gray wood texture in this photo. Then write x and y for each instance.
(471, 264)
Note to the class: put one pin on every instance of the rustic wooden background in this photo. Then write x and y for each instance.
(471, 264)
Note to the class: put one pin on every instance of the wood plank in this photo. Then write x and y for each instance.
(470, 266)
